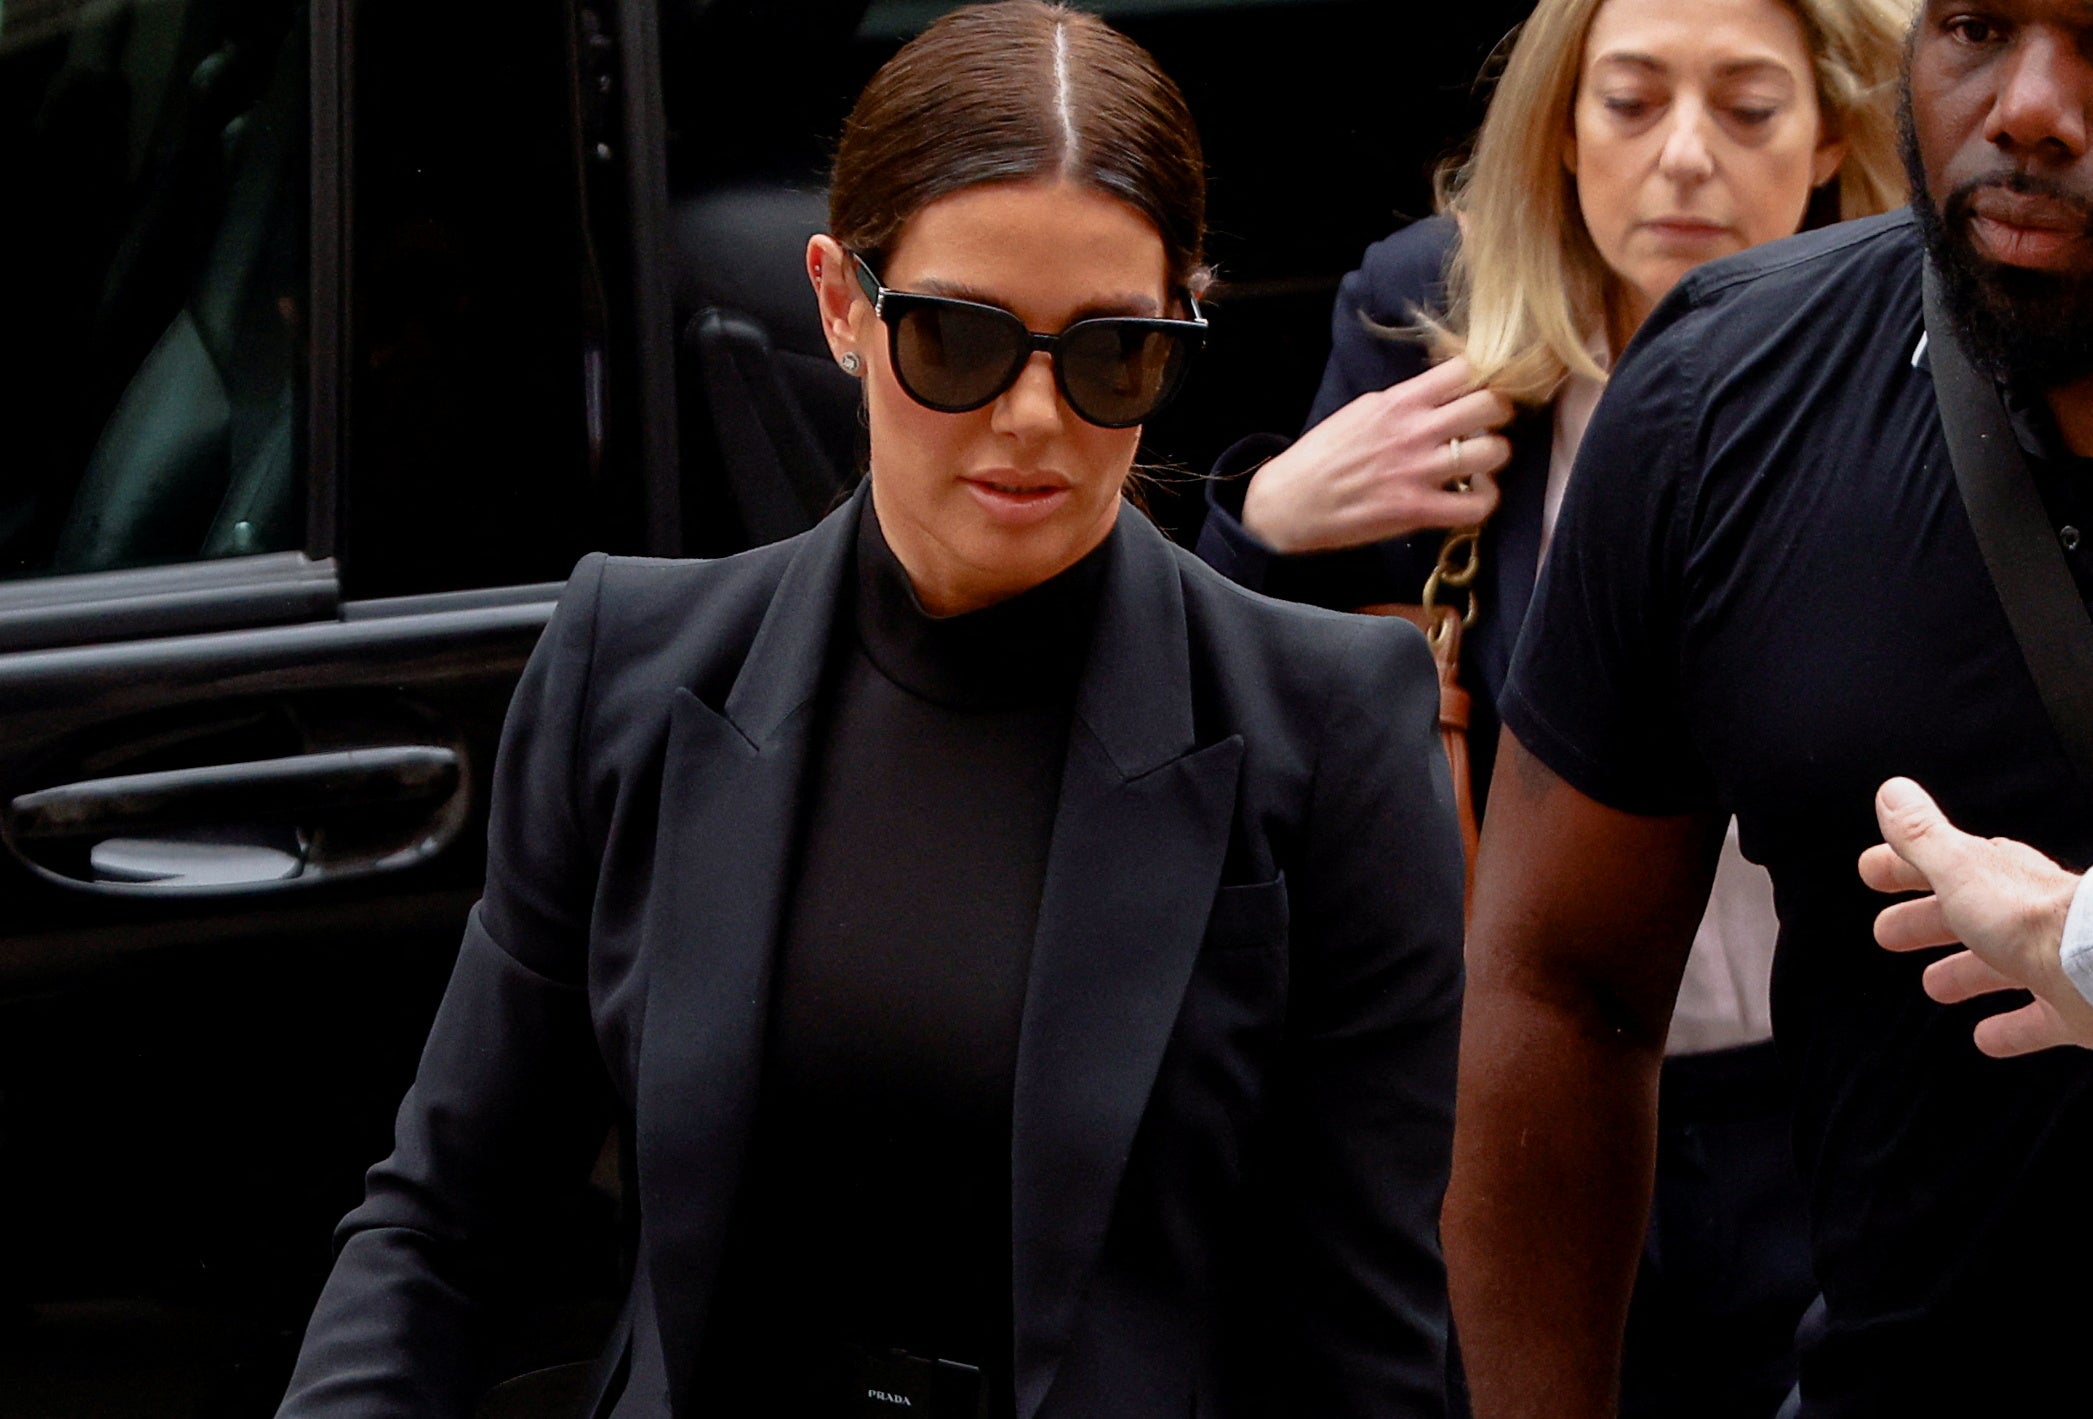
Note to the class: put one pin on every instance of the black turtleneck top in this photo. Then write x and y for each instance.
(877, 1209)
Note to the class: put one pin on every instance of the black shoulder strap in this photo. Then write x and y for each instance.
(2043, 605)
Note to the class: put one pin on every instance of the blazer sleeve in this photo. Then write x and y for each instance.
(510, 1102)
(1373, 1028)
(1399, 276)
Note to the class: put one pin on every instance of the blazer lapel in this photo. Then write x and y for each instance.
(1139, 838)
(729, 809)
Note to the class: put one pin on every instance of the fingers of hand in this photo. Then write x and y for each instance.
(1407, 429)
(1913, 824)
(1480, 498)
(1965, 976)
(1381, 466)
(1449, 392)
(1479, 456)
(1401, 491)
(1468, 416)
(2035, 1026)
(1476, 501)
(1447, 380)
(1447, 507)
(1913, 926)
(1882, 869)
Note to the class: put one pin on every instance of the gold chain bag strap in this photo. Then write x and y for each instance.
(1460, 558)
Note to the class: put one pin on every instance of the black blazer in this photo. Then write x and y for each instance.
(1399, 275)
(1233, 1109)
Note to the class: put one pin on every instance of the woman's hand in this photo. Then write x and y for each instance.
(1385, 465)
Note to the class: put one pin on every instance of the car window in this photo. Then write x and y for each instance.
(488, 421)
(152, 282)
(160, 300)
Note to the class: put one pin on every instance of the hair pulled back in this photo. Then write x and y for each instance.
(1020, 91)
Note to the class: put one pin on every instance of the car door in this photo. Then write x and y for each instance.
(323, 355)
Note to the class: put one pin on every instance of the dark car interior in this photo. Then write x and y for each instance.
(150, 358)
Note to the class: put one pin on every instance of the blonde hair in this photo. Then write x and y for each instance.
(1526, 287)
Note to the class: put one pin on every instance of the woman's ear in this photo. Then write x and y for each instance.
(830, 269)
(1825, 165)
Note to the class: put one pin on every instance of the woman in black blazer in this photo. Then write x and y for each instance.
(1024, 966)
(1627, 141)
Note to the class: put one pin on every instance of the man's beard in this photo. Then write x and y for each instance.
(2033, 329)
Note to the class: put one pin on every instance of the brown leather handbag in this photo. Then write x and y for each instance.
(1459, 561)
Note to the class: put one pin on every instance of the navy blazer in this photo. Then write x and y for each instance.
(1399, 276)
(1234, 1090)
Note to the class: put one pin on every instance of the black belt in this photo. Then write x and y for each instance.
(868, 1383)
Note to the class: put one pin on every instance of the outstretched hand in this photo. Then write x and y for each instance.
(2003, 901)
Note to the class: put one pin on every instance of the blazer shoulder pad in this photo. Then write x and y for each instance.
(1299, 654)
(663, 623)
(1405, 270)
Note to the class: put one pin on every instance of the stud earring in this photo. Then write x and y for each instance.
(850, 361)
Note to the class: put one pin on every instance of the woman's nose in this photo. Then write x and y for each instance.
(1686, 157)
(1031, 406)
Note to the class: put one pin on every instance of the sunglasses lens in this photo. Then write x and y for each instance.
(1118, 372)
(955, 357)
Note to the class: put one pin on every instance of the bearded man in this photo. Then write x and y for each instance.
(1766, 597)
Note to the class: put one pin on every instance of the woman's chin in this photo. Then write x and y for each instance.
(995, 561)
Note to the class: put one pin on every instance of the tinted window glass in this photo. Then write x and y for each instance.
(479, 395)
(153, 157)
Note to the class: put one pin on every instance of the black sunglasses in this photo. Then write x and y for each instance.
(953, 355)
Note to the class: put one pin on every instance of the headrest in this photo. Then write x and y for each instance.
(743, 247)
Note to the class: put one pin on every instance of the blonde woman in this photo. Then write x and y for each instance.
(1628, 141)
(1596, 182)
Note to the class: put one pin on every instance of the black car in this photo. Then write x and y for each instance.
(330, 335)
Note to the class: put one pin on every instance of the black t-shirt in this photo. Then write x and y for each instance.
(1764, 598)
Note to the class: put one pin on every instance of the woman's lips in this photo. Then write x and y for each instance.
(1016, 500)
(1685, 229)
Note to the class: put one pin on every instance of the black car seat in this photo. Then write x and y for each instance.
(775, 414)
(770, 427)
(199, 457)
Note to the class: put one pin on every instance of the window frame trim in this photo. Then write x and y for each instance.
(178, 598)
(328, 247)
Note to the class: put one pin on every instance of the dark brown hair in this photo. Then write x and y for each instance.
(1020, 91)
